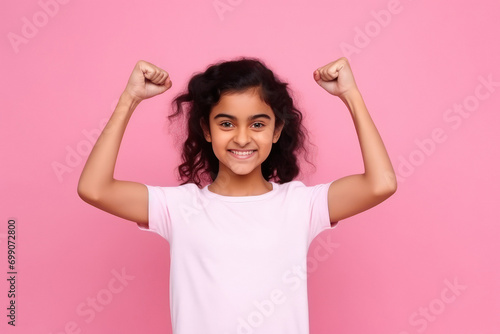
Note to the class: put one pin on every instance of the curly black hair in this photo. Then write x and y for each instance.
(204, 91)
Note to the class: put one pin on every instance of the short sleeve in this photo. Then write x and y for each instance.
(159, 218)
(320, 215)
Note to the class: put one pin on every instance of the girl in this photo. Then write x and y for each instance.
(238, 246)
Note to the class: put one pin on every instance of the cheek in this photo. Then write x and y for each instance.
(267, 136)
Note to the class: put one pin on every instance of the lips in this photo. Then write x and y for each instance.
(242, 153)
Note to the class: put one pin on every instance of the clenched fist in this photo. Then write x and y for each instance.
(147, 80)
(336, 77)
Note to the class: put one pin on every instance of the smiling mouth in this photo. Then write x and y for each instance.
(242, 153)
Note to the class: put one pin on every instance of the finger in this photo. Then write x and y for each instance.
(165, 86)
(162, 78)
(320, 78)
(150, 71)
(165, 78)
(333, 73)
(326, 75)
(316, 75)
(168, 83)
(155, 77)
(159, 79)
(158, 74)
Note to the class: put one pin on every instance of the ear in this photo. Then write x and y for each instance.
(206, 131)
(277, 133)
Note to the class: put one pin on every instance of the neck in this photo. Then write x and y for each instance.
(240, 185)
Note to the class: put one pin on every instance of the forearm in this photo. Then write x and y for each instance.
(99, 168)
(378, 168)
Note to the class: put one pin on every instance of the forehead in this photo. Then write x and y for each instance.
(242, 105)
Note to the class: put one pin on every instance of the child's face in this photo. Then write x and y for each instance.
(242, 122)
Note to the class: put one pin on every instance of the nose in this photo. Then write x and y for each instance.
(242, 138)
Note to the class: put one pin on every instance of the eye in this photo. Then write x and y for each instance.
(262, 125)
(226, 122)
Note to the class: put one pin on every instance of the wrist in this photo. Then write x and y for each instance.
(353, 101)
(130, 100)
(350, 95)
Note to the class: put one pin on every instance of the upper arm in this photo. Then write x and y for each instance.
(125, 199)
(351, 195)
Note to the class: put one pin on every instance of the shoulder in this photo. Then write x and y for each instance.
(299, 188)
(179, 192)
(299, 185)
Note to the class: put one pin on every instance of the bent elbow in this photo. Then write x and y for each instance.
(86, 195)
(392, 188)
(387, 186)
(387, 190)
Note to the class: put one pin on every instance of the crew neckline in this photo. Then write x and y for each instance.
(270, 193)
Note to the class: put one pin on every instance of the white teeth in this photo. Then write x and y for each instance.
(242, 153)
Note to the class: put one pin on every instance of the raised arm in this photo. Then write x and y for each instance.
(97, 185)
(353, 194)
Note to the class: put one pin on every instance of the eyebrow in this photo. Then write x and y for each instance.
(249, 118)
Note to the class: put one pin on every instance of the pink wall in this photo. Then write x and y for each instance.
(424, 261)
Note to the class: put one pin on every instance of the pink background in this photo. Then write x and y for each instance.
(391, 266)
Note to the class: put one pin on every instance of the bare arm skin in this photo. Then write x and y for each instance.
(97, 185)
(353, 194)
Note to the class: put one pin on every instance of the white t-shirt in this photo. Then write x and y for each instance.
(238, 263)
